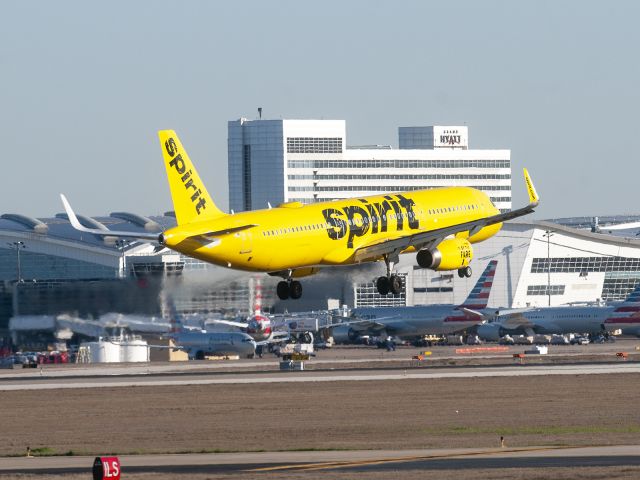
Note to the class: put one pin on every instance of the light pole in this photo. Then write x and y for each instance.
(121, 245)
(18, 246)
(548, 234)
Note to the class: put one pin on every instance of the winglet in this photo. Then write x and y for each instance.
(75, 223)
(534, 199)
(73, 219)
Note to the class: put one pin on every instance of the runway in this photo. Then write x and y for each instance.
(44, 382)
(347, 461)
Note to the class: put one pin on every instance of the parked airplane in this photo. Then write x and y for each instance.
(418, 321)
(259, 326)
(294, 240)
(200, 344)
(626, 316)
(591, 319)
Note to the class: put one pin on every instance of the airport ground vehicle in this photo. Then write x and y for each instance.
(579, 340)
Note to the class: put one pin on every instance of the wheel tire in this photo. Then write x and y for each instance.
(383, 285)
(282, 290)
(295, 289)
(468, 272)
(395, 284)
(461, 273)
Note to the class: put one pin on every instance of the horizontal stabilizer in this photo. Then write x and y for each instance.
(474, 315)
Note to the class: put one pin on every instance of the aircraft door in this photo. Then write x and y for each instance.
(246, 243)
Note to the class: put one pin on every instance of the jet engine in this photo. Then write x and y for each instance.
(450, 254)
(490, 332)
(344, 334)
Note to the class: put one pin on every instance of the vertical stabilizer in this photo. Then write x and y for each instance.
(479, 296)
(191, 201)
(627, 313)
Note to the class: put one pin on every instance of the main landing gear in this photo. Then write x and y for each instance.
(391, 283)
(289, 289)
(464, 272)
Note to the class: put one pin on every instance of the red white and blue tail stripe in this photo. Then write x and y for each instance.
(626, 314)
(479, 296)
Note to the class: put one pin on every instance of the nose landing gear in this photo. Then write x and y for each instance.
(464, 272)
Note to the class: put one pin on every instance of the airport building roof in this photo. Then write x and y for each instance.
(59, 228)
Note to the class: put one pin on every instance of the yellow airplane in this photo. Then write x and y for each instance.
(294, 240)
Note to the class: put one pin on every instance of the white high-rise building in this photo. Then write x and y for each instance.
(277, 161)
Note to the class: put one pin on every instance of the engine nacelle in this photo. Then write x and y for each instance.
(450, 254)
(490, 332)
(344, 334)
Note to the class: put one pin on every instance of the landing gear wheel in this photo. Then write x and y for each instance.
(282, 290)
(383, 285)
(465, 272)
(295, 289)
(395, 284)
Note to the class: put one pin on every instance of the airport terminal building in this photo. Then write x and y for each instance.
(48, 268)
(277, 161)
(539, 263)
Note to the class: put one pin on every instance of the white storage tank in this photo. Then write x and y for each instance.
(134, 350)
(103, 351)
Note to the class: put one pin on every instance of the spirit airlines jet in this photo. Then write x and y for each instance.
(295, 240)
(421, 320)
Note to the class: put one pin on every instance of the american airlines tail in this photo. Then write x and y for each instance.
(626, 315)
(191, 201)
(479, 296)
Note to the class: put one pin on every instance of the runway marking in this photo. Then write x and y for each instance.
(308, 467)
(302, 377)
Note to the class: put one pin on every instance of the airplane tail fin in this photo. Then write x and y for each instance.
(534, 199)
(191, 200)
(479, 296)
(631, 303)
(626, 314)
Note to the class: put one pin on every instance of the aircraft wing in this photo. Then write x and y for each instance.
(364, 325)
(75, 223)
(473, 314)
(229, 322)
(277, 337)
(514, 319)
(419, 240)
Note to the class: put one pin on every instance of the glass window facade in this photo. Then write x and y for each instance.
(38, 266)
(399, 163)
(314, 145)
(543, 290)
(412, 176)
(585, 264)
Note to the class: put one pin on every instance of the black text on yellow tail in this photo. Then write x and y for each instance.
(191, 201)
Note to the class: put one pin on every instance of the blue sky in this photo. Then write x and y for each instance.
(85, 86)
